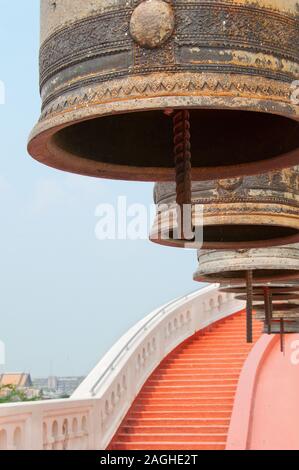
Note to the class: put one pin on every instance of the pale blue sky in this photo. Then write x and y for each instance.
(64, 296)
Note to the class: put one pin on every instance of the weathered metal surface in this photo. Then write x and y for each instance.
(290, 327)
(258, 288)
(284, 319)
(282, 322)
(109, 69)
(275, 297)
(152, 23)
(230, 266)
(270, 295)
(278, 309)
(241, 212)
(275, 302)
(286, 315)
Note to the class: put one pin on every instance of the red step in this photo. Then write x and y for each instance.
(199, 400)
(176, 437)
(166, 446)
(191, 394)
(164, 429)
(177, 414)
(187, 402)
(177, 422)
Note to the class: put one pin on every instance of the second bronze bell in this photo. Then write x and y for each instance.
(254, 211)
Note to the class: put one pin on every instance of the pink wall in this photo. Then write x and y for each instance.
(275, 412)
(266, 410)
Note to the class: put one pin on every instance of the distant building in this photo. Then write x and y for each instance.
(54, 387)
(18, 380)
(52, 383)
(41, 383)
(67, 385)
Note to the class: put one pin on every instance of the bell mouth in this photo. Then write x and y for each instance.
(259, 275)
(248, 236)
(139, 145)
(231, 237)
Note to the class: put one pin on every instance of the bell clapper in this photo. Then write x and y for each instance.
(270, 312)
(182, 155)
(268, 309)
(282, 342)
(249, 307)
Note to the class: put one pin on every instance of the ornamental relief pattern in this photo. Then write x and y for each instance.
(206, 24)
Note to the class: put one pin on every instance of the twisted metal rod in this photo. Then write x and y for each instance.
(268, 309)
(249, 307)
(182, 155)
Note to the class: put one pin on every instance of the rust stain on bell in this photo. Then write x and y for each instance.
(109, 70)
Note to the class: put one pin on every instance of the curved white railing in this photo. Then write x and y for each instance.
(90, 418)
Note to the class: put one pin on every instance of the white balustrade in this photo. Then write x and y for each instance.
(90, 418)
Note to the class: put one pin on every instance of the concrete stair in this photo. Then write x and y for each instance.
(187, 402)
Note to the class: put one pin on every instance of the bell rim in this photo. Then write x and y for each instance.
(279, 276)
(278, 267)
(41, 148)
(186, 244)
(161, 236)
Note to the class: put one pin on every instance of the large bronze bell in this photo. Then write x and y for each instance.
(247, 267)
(280, 322)
(230, 266)
(114, 73)
(244, 212)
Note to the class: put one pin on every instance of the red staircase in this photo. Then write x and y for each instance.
(187, 402)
